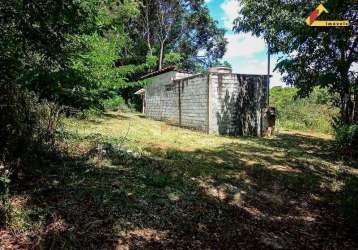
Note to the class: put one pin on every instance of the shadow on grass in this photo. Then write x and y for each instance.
(320, 148)
(117, 116)
(99, 119)
(249, 196)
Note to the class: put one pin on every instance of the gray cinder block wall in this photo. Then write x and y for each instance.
(215, 102)
(237, 104)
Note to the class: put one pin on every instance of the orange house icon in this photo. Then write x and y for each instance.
(312, 19)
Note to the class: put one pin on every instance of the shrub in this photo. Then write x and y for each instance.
(4, 196)
(304, 115)
(346, 138)
(27, 129)
(114, 103)
(314, 112)
(26, 125)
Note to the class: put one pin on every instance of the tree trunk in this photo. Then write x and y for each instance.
(345, 108)
(147, 27)
(349, 109)
(354, 113)
(348, 99)
(161, 55)
(149, 46)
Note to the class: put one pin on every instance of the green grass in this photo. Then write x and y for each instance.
(178, 188)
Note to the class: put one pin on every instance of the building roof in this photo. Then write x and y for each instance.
(159, 72)
(140, 92)
(219, 69)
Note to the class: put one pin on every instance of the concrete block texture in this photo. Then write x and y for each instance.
(238, 104)
(222, 103)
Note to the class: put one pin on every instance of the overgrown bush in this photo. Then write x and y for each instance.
(114, 103)
(26, 126)
(313, 113)
(303, 115)
(346, 138)
(4, 195)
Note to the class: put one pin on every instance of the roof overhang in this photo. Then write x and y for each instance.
(158, 72)
(140, 92)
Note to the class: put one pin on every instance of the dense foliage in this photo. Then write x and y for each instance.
(313, 56)
(313, 113)
(87, 73)
(80, 53)
(180, 32)
(28, 126)
(35, 49)
(347, 139)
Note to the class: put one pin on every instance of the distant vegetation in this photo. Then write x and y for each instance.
(313, 113)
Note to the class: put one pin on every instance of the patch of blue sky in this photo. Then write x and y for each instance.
(246, 53)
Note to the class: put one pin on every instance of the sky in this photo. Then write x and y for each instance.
(246, 53)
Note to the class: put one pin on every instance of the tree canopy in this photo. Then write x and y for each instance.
(312, 56)
(79, 53)
(178, 31)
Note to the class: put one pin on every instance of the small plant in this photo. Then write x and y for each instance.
(5, 206)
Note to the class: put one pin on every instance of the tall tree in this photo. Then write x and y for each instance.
(182, 27)
(322, 56)
(167, 14)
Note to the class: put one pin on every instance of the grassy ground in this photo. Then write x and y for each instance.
(126, 182)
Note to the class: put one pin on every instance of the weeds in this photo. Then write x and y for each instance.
(313, 113)
(5, 206)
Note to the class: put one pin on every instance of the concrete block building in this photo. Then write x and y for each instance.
(218, 101)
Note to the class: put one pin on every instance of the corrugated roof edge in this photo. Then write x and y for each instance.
(210, 73)
(173, 68)
(162, 71)
(158, 72)
(190, 77)
(240, 74)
